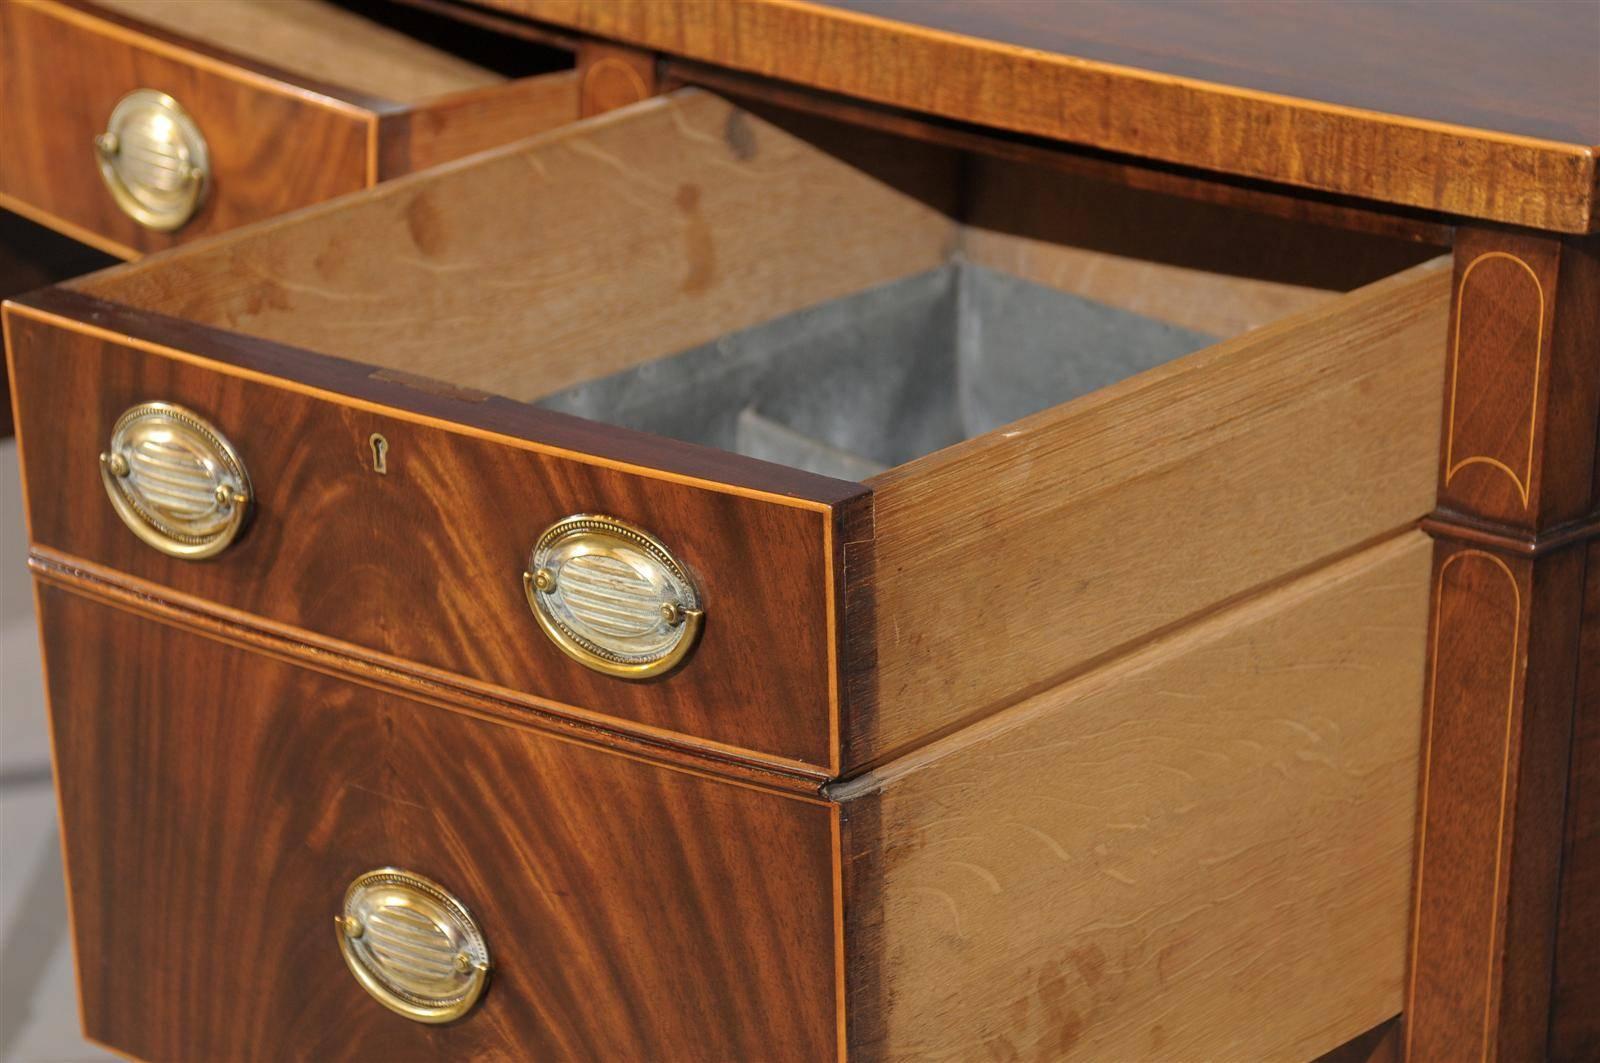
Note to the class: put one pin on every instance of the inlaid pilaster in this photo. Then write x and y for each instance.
(1516, 511)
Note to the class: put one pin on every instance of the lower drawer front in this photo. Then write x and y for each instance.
(217, 802)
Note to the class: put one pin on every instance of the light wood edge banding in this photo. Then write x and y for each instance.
(1131, 73)
(608, 63)
(1422, 818)
(228, 369)
(828, 571)
(1253, 108)
(306, 649)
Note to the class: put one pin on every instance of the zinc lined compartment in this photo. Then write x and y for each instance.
(1010, 382)
(1132, 553)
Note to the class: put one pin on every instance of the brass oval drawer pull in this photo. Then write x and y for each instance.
(154, 160)
(612, 597)
(175, 481)
(412, 946)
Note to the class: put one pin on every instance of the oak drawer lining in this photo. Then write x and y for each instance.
(678, 222)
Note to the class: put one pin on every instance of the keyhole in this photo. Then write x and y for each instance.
(380, 454)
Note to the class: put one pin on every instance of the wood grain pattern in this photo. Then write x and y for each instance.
(425, 562)
(1478, 160)
(1198, 299)
(1051, 541)
(1199, 851)
(1206, 266)
(451, 128)
(60, 75)
(1253, 197)
(1574, 1021)
(1495, 753)
(1518, 68)
(318, 41)
(409, 679)
(612, 77)
(1340, 386)
(299, 102)
(500, 274)
(217, 802)
(1517, 496)
(1524, 384)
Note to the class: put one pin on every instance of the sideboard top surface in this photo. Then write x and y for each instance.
(1476, 108)
(1529, 69)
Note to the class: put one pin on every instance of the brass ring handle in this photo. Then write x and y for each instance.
(154, 160)
(175, 481)
(412, 946)
(612, 597)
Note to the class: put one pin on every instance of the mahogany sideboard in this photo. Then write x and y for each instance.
(883, 530)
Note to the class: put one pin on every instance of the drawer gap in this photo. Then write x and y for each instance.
(379, 50)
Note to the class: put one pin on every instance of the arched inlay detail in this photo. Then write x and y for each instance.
(1480, 702)
(610, 82)
(1515, 460)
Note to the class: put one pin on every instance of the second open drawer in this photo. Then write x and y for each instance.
(997, 422)
(133, 125)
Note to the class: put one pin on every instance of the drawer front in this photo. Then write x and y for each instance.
(424, 562)
(271, 146)
(217, 803)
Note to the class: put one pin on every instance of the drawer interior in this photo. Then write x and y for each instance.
(780, 285)
(381, 50)
(856, 385)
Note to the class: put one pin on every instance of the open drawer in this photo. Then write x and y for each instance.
(893, 437)
(136, 124)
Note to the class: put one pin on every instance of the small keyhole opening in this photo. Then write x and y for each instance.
(380, 454)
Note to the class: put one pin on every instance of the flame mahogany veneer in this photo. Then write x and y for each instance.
(1146, 726)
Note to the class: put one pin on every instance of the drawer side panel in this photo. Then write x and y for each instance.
(1011, 562)
(1218, 826)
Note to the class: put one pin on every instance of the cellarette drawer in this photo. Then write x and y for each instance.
(424, 561)
(136, 124)
(1059, 536)
(915, 455)
(219, 801)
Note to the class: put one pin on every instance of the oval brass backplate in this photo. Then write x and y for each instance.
(154, 160)
(612, 597)
(412, 946)
(175, 481)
